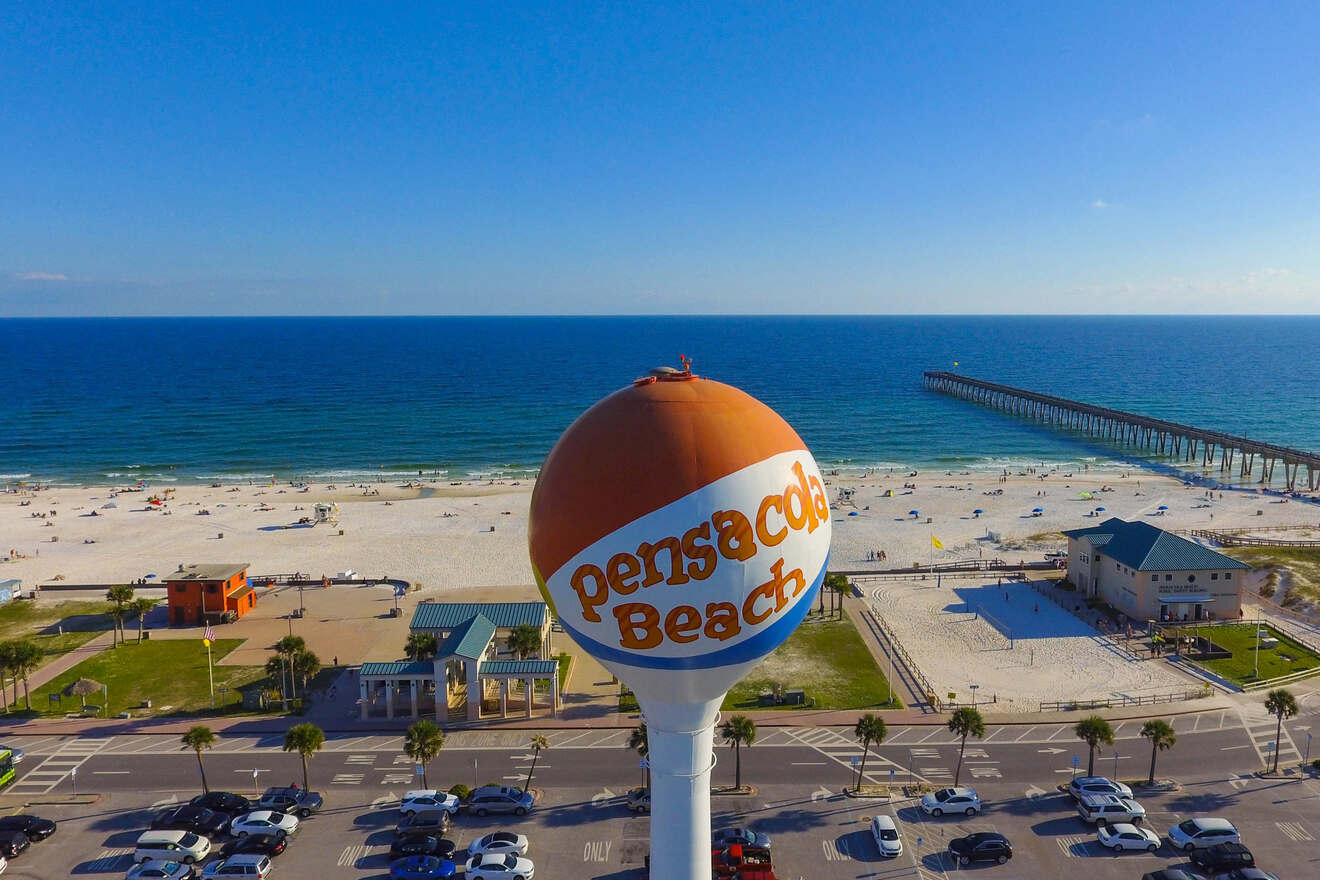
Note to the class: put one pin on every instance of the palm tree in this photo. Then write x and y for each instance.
(422, 742)
(1281, 704)
(141, 606)
(27, 656)
(8, 656)
(524, 640)
(639, 742)
(1093, 731)
(738, 731)
(964, 723)
(198, 738)
(1160, 734)
(538, 743)
(305, 739)
(841, 588)
(870, 729)
(119, 596)
(831, 585)
(287, 647)
(305, 665)
(420, 646)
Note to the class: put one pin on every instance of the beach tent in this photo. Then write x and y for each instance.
(1087, 496)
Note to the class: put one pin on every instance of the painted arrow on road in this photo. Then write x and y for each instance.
(1051, 751)
(599, 800)
(386, 800)
(168, 802)
(1034, 792)
(821, 794)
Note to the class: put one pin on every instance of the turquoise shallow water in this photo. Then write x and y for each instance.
(199, 399)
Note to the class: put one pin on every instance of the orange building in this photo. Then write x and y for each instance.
(211, 593)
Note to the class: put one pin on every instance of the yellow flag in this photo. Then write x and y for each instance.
(935, 542)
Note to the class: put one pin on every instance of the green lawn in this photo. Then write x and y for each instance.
(827, 659)
(1288, 657)
(169, 672)
(40, 622)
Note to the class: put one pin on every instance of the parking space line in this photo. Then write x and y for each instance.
(1028, 733)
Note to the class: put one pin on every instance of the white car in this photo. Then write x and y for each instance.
(952, 800)
(499, 843)
(1202, 832)
(426, 800)
(1084, 785)
(886, 836)
(498, 867)
(1122, 836)
(158, 870)
(264, 822)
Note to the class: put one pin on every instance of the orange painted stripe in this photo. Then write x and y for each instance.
(639, 449)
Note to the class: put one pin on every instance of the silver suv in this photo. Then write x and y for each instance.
(1084, 785)
(1106, 809)
(500, 799)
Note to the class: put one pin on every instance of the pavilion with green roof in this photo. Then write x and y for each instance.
(472, 667)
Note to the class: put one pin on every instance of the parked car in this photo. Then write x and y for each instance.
(421, 843)
(192, 818)
(250, 865)
(1103, 809)
(738, 836)
(983, 846)
(952, 800)
(421, 868)
(1223, 857)
(158, 870)
(499, 842)
(1097, 785)
(639, 800)
(1122, 836)
(265, 843)
(264, 822)
(1172, 874)
(1249, 874)
(12, 843)
(298, 801)
(35, 827)
(432, 823)
(500, 799)
(499, 867)
(426, 800)
(1202, 832)
(171, 846)
(885, 833)
(224, 802)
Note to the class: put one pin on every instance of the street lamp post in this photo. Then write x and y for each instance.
(1116, 765)
(1255, 672)
(973, 687)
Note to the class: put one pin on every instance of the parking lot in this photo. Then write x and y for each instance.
(588, 833)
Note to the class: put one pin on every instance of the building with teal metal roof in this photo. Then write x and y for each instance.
(473, 669)
(1147, 573)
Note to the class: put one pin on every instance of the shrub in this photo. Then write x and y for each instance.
(461, 791)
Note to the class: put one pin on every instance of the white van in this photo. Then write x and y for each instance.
(172, 846)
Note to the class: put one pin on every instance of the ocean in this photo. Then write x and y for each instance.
(222, 399)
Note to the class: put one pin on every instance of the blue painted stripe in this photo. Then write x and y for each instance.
(751, 649)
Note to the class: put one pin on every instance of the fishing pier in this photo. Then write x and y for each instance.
(1131, 429)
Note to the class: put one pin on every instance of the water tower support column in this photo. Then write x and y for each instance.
(681, 740)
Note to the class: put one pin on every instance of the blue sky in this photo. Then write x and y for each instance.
(761, 157)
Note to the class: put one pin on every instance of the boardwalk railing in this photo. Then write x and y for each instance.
(896, 646)
(1233, 539)
(1132, 429)
(1123, 700)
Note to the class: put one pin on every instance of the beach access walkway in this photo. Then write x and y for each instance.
(60, 665)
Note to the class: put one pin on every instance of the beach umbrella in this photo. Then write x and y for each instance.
(1162, 507)
(1037, 510)
(110, 506)
(150, 576)
(83, 688)
(914, 513)
(1099, 510)
(977, 512)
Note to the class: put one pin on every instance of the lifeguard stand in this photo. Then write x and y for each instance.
(327, 513)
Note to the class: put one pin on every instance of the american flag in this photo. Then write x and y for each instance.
(209, 635)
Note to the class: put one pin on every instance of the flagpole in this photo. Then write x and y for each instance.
(210, 672)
